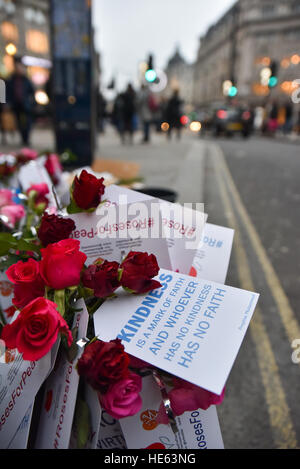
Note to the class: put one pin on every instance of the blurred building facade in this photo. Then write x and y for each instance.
(180, 76)
(25, 33)
(251, 36)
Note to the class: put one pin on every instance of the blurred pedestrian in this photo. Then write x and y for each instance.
(273, 119)
(173, 114)
(20, 98)
(288, 125)
(128, 113)
(145, 112)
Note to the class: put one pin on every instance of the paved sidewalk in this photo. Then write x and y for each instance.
(174, 164)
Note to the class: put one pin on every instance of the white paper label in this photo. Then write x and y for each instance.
(19, 383)
(60, 394)
(212, 257)
(118, 230)
(190, 327)
(20, 439)
(110, 434)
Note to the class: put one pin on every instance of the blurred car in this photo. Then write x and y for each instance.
(229, 121)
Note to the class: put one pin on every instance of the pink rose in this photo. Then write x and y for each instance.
(122, 398)
(27, 154)
(188, 397)
(6, 197)
(13, 212)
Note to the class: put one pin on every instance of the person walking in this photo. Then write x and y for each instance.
(173, 113)
(20, 98)
(128, 113)
(145, 113)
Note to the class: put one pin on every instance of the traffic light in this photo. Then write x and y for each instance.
(233, 91)
(150, 74)
(273, 80)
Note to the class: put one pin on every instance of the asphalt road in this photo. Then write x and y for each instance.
(253, 186)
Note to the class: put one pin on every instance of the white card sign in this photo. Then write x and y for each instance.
(192, 328)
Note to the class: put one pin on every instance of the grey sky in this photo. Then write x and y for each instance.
(127, 30)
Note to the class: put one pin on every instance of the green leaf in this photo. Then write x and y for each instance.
(73, 207)
(4, 248)
(8, 238)
(23, 245)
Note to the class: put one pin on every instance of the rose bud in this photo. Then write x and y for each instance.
(27, 154)
(87, 191)
(186, 396)
(62, 263)
(36, 329)
(40, 191)
(54, 228)
(137, 271)
(103, 363)
(54, 167)
(102, 278)
(122, 398)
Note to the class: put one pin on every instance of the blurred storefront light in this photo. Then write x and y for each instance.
(195, 126)
(11, 49)
(165, 126)
(41, 97)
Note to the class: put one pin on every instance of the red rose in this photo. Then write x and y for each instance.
(54, 228)
(41, 191)
(103, 363)
(62, 263)
(36, 329)
(28, 283)
(23, 272)
(138, 268)
(87, 190)
(102, 278)
(24, 293)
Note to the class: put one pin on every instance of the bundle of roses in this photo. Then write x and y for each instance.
(53, 276)
(116, 377)
(59, 279)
